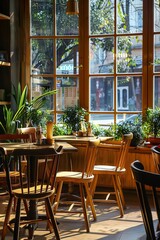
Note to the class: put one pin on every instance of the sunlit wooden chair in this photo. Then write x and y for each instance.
(115, 172)
(13, 171)
(35, 187)
(28, 130)
(83, 179)
(146, 181)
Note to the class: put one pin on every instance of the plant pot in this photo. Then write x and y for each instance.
(154, 140)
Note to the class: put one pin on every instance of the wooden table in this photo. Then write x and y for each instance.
(72, 138)
(9, 147)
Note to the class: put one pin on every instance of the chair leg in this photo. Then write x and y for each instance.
(90, 201)
(118, 198)
(84, 206)
(17, 220)
(93, 185)
(7, 217)
(51, 214)
(58, 195)
(120, 191)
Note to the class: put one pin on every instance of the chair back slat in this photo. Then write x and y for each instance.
(143, 180)
(37, 184)
(126, 140)
(90, 155)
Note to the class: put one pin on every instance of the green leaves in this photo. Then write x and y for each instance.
(24, 109)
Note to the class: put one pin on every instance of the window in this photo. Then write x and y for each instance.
(106, 58)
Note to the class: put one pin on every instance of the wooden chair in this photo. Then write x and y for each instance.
(34, 188)
(144, 181)
(156, 157)
(28, 130)
(83, 179)
(115, 172)
(13, 172)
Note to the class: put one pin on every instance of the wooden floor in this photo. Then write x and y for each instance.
(108, 225)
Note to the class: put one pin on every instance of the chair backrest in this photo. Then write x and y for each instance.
(28, 130)
(156, 157)
(125, 143)
(15, 137)
(144, 179)
(36, 182)
(90, 156)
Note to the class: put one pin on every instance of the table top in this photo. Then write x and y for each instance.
(70, 138)
(11, 146)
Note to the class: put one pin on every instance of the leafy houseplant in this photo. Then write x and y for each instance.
(134, 127)
(24, 112)
(72, 117)
(151, 122)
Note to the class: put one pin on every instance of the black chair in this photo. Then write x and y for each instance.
(38, 184)
(145, 181)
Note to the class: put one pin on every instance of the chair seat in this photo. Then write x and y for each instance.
(71, 176)
(40, 194)
(107, 169)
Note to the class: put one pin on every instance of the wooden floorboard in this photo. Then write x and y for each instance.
(108, 225)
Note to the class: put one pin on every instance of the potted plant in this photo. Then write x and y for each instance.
(130, 126)
(25, 112)
(151, 125)
(72, 117)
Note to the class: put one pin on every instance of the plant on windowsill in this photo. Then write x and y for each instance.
(72, 118)
(130, 126)
(151, 125)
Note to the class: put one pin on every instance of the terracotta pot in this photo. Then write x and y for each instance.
(154, 140)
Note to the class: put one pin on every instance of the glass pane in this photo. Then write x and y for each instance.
(129, 54)
(156, 53)
(65, 24)
(156, 16)
(129, 16)
(41, 17)
(42, 56)
(101, 55)
(67, 56)
(40, 85)
(129, 93)
(102, 119)
(68, 92)
(101, 17)
(156, 92)
(101, 93)
(127, 117)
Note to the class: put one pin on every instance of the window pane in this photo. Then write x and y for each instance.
(129, 16)
(67, 56)
(156, 91)
(41, 17)
(129, 54)
(102, 119)
(40, 85)
(65, 24)
(127, 117)
(101, 93)
(101, 55)
(129, 93)
(157, 53)
(42, 56)
(156, 16)
(101, 17)
(68, 92)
